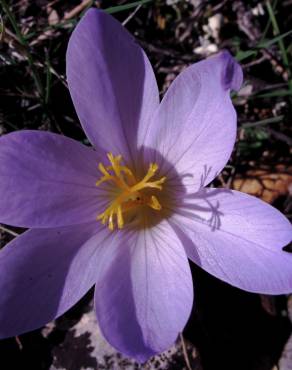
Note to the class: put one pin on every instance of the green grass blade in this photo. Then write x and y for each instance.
(121, 8)
(273, 94)
(262, 122)
(242, 55)
(280, 42)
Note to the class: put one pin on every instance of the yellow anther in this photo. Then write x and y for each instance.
(130, 191)
(154, 203)
(106, 175)
(111, 222)
(115, 161)
(103, 170)
(120, 217)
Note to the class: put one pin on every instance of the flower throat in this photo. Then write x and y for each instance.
(129, 192)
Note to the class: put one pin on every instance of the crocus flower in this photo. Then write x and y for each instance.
(127, 214)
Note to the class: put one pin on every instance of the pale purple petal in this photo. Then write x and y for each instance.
(237, 238)
(47, 180)
(195, 126)
(144, 291)
(44, 272)
(111, 83)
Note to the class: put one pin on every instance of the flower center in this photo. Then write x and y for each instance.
(129, 193)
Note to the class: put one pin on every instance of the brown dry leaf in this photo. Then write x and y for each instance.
(53, 17)
(161, 22)
(268, 183)
(78, 9)
(269, 304)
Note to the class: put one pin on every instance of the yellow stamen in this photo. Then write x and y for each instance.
(154, 203)
(130, 191)
(120, 218)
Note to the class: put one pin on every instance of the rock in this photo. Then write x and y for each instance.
(84, 348)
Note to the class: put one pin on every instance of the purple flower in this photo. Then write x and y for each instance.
(128, 214)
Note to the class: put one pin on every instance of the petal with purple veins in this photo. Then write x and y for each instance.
(47, 180)
(144, 293)
(44, 272)
(194, 128)
(111, 82)
(237, 238)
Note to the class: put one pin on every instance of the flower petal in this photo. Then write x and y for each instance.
(238, 238)
(47, 180)
(144, 292)
(195, 127)
(111, 83)
(43, 273)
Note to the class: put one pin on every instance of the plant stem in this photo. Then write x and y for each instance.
(185, 352)
(280, 42)
(24, 43)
